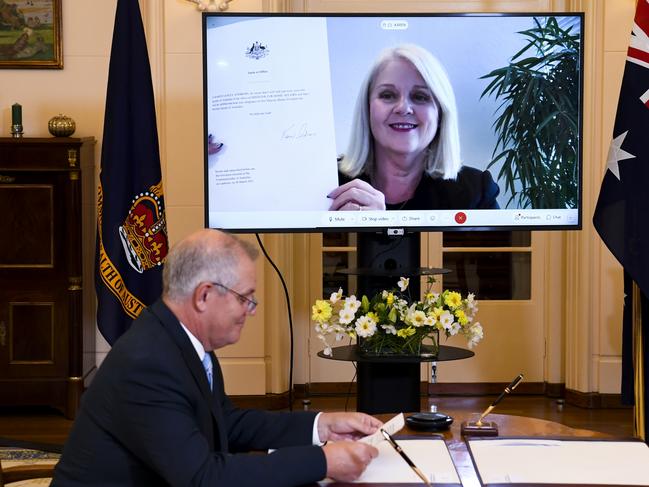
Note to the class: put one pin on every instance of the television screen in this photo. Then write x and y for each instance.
(329, 122)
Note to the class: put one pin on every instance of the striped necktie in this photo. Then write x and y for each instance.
(207, 364)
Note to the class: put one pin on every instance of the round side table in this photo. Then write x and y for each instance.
(390, 384)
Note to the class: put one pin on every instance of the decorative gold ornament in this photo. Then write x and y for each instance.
(211, 5)
(61, 126)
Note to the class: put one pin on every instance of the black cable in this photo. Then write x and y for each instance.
(290, 321)
(351, 383)
(349, 389)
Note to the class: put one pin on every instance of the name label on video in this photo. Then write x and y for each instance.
(394, 24)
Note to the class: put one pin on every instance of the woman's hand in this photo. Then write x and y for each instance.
(212, 146)
(356, 195)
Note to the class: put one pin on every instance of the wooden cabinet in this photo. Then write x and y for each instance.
(45, 350)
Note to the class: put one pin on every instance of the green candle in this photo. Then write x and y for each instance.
(16, 114)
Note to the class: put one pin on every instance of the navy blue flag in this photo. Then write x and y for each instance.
(131, 227)
(622, 213)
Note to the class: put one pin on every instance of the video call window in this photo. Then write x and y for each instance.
(284, 120)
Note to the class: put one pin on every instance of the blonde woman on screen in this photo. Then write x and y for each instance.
(404, 151)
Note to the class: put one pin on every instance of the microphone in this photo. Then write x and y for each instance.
(488, 428)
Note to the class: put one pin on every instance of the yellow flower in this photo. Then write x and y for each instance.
(406, 332)
(380, 316)
(461, 317)
(321, 311)
(453, 299)
(373, 316)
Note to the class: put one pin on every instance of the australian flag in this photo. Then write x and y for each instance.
(131, 227)
(622, 212)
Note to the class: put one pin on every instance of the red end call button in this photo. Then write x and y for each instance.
(460, 217)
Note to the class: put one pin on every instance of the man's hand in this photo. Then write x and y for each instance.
(347, 460)
(346, 426)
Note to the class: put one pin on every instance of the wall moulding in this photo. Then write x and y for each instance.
(435, 6)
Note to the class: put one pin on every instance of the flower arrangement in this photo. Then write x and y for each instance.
(391, 323)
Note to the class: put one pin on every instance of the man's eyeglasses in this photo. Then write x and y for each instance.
(250, 303)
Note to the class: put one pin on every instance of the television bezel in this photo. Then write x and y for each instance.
(397, 230)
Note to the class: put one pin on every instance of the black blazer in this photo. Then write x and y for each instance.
(472, 189)
(149, 418)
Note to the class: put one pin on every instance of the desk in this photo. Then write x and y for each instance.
(508, 425)
(390, 383)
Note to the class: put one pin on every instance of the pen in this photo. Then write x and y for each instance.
(513, 384)
(404, 456)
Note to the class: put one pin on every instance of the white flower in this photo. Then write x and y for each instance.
(402, 306)
(365, 327)
(476, 334)
(322, 328)
(454, 328)
(471, 304)
(352, 303)
(346, 315)
(337, 296)
(403, 283)
(382, 312)
(327, 349)
(446, 319)
(389, 329)
(418, 318)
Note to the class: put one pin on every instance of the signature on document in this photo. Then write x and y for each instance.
(297, 131)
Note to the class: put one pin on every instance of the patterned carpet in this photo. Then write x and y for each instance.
(10, 457)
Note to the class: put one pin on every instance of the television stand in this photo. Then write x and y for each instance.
(383, 257)
(388, 384)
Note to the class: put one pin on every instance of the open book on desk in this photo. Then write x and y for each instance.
(430, 454)
(533, 461)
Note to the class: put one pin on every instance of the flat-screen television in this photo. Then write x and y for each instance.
(365, 122)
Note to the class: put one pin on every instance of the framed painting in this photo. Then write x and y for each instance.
(30, 34)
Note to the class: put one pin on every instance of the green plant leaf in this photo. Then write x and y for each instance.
(537, 126)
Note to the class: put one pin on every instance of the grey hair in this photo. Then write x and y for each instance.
(443, 153)
(208, 258)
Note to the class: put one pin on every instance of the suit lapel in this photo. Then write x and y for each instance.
(175, 330)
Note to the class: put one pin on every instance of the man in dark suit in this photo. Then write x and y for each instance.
(151, 416)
